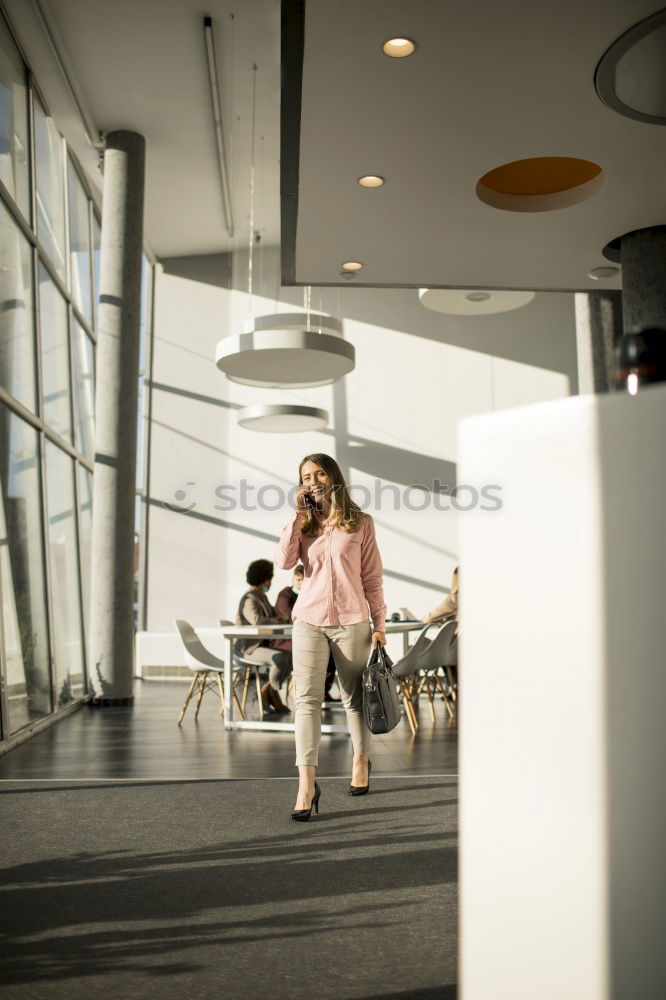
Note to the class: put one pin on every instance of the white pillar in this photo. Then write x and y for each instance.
(117, 370)
(563, 688)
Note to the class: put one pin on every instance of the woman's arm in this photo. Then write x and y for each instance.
(444, 610)
(449, 606)
(372, 576)
(288, 551)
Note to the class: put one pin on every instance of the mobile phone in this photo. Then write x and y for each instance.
(310, 501)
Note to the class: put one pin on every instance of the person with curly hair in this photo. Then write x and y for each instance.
(255, 609)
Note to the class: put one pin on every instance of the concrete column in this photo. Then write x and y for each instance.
(111, 633)
(598, 329)
(643, 256)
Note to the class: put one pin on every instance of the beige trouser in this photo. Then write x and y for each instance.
(278, 662)
(350, 646)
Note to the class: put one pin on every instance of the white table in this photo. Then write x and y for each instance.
(231, 632)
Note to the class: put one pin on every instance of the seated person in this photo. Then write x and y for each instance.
(449, 606)
(283, 607)
(255, 609)
(288, 595)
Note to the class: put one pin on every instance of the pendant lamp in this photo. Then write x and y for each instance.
(278, 419)
(286, 351)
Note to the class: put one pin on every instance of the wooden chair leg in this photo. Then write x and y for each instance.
(241, 709)
(449, 677)
(187, 700)
(445, 696)
(260, 703)
(220, 685)
(414, 690)
(409, 708)
(246, 685)
(431, 695)
(411, 717)
(408, 700)
(203, 675)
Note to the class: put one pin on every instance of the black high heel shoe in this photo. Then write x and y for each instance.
(303, 815)
(361, 789)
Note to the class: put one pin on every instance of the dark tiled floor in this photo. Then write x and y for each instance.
(144, 741)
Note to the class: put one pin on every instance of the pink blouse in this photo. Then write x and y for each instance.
(343, 573)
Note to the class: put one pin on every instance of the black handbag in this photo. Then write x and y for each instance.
(381, 705)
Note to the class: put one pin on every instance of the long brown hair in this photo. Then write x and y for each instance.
(347, 513)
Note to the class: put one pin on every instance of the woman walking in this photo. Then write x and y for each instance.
(336, 543)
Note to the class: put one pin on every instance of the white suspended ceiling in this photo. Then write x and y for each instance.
(489, 83)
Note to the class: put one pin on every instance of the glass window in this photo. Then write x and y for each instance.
(55, 356)
(85, 538)
(17, 342)
(144, 354)
(84, 390)
(144, 317)
(79, 242)
(24, 620)
(64, 567)
(14, 155)
(97, 246)
(50, 189)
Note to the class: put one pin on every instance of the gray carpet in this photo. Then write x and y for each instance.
(207, 889)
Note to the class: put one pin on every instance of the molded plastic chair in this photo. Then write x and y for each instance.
(406, 670)
(437, 657)
(249, 667)
(202, 662)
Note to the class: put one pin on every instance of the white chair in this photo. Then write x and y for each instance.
(202, 662)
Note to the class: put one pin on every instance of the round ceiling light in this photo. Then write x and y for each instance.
(459, 302)
(540, 183)
(371, 181)
(285, 351)
(398, 48)
(352, 265)
(279, 419)
(629, 77)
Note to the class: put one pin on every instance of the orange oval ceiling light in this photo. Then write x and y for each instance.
(540, 184)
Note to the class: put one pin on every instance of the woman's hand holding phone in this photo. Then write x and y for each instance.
(303, 499)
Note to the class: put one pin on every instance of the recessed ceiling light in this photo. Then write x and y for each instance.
(597, 273)
(371, 181)
(478, 296)
(398, 48)
(352, 265)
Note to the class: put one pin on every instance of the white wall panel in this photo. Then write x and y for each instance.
(563, 811)
(393, 424)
